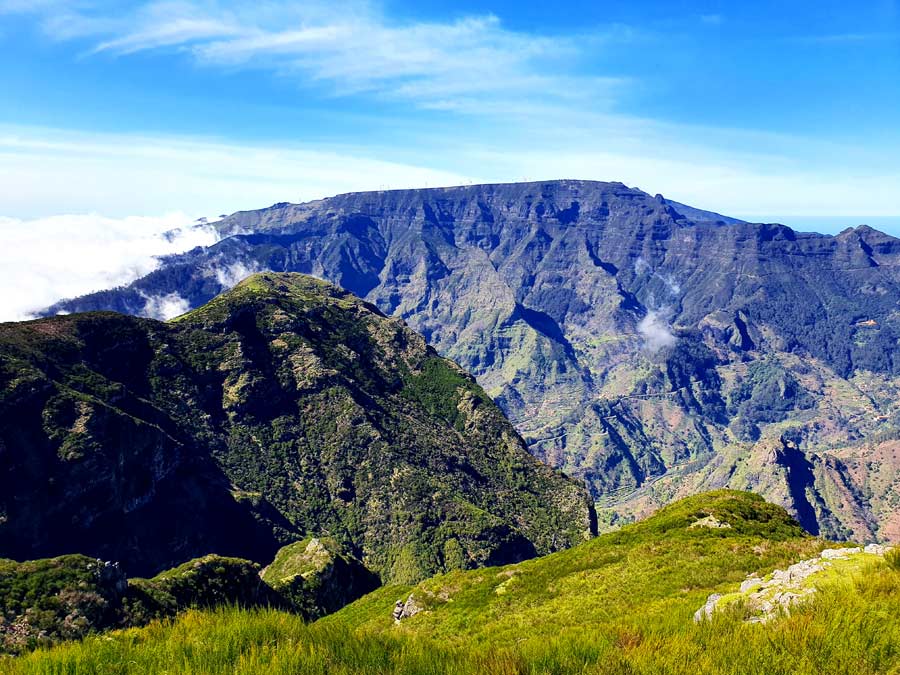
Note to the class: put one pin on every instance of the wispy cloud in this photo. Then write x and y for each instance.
(347, 47)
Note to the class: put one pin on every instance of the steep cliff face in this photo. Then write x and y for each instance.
(282, 408)
(641, 345)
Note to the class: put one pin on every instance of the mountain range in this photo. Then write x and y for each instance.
(647, 348)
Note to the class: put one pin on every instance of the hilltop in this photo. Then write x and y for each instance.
(622, 602)
(284, 408)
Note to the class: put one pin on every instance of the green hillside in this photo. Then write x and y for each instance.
(622, 603)
(284, 409)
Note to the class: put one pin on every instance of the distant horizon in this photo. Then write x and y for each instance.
(827, 224)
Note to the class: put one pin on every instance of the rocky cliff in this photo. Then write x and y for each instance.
(648, 348)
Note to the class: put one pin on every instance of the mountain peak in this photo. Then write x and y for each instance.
(290, 290)
(282, 409)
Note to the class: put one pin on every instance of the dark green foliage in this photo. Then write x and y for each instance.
(44, 601)
(284, 407)
(437, 388)
(205, 582)
(50, 600)
(315, 577)
(691, 371)
(766, 394)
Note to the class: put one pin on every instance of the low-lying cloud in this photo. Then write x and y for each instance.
(655, 331)
(232, 274)
(48, 259)
(165, 307)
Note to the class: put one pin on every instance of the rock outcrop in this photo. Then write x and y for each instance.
(403, 609)
(316, 577)
(766, 598)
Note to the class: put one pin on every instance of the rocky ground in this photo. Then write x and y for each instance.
(765, 598)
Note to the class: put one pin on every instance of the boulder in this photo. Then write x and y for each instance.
(405, 609)
(707, 610)
(838, 553)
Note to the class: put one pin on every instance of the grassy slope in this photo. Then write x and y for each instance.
(650, 576)
(620, 603)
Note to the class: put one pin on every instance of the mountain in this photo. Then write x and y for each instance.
(282, 409)
(649, 348)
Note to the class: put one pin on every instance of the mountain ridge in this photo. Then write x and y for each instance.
(284, 408)
(617, 333)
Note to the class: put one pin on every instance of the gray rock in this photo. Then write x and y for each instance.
(404, 610)
(839, 553)
(876, 549)
(711, 522)
(707, 610)
(750, 583)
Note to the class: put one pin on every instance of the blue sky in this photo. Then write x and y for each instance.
(766, 110)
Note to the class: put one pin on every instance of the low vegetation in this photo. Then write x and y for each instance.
(622, 603)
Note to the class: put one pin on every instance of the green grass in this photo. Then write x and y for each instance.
(851, 627)
(650, 576)
(621, 603)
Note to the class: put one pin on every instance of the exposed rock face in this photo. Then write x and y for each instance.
(282, 408)
(649, 348)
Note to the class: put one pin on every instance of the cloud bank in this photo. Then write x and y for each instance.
(47, 259)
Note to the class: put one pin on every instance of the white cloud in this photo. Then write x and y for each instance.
(46, 259)
(655, 331)
(349, 46)
(165, 307)
(231, 275)
(46, 172)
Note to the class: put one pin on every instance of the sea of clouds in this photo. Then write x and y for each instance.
(48, 259)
